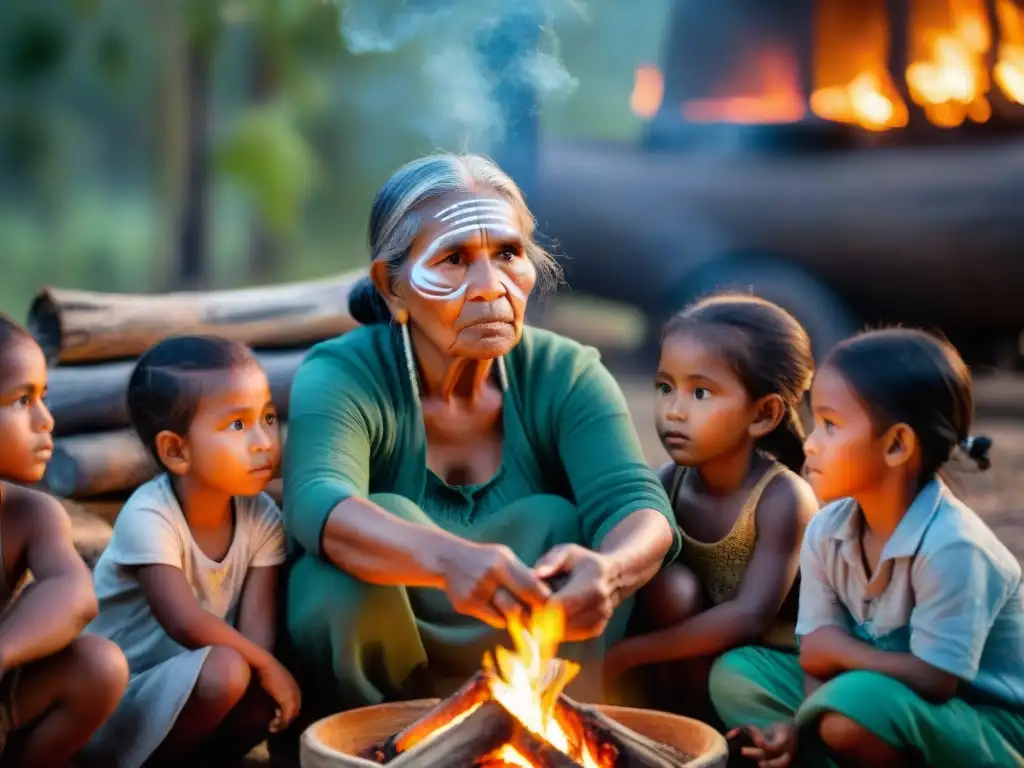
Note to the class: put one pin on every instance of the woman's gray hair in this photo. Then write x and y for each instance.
(395, 220)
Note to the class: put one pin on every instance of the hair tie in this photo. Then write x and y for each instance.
(977, 449)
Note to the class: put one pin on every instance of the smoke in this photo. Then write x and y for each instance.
(468, 67)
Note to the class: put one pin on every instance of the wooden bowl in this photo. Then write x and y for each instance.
(336, 741)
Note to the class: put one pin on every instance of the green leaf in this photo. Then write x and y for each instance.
(265, 153)
(37, 47)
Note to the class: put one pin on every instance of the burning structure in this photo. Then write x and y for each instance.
(857, 162)
(866, 64)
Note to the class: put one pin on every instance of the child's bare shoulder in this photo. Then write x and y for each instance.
(29, 515)
(29, 510)
(788, 496)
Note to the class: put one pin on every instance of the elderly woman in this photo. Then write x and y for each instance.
(444, 462)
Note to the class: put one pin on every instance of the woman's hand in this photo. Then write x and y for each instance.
(282, 688)
(590, 594)
(774, 748)
(824, 652)
(488, 582)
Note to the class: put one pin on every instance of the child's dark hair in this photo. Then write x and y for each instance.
(909, 376)
(769, 351)
(164, 389)
(10, 330)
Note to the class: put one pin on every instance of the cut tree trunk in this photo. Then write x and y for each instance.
(90, 533)
(91, 398)
(101, 464)
(84, 326)
(106, 510)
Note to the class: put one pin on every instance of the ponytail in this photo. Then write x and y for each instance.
(786, 441)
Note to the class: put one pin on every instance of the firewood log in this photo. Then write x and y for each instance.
(105, 509)
(90, 533)
(463, 744)
(474, 691)
(613, 743)
(100, 464)
(83, 326)
(91, 398)
(541, 753)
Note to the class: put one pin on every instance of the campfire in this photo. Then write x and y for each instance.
(872, 64)
(513, 712)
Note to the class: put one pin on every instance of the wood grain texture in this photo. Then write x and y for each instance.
(84, 326)
(91, 398)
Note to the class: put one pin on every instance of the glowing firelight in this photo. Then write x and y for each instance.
(957, 70)
(522, 682)
(648, 88)
(527, 682)
(1009, 68)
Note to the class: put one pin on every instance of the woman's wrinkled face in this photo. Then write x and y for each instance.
(468, 276)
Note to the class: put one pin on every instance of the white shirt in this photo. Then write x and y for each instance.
(151, 530)
(945, 589)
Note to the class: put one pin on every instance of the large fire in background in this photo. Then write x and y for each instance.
(955, 64)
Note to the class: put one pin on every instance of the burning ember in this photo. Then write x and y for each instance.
(959, 64)
(513, 714)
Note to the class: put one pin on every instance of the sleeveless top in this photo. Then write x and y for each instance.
(721, 565)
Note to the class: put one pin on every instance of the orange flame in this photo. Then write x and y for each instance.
(648, 91)
(1009, 67)
(524, 682)
(851, 77)
(766, 90)
(951, 73)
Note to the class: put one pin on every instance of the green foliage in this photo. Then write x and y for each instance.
(37, 46)
(266, 154)
(92, 108)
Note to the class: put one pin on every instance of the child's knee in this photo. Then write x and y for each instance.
(99, 670)
(671, 597)
(223, 680)
(841, 734)
(848, 739)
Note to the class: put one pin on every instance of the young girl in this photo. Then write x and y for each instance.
(732, 373)
(56, 688)
(187, 586)
(911, 617)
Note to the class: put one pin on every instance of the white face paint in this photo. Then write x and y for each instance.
(482, 215)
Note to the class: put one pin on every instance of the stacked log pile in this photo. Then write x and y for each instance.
(91, 341)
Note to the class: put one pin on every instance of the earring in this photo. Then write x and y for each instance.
(401, 316)
(410, 362)
(502, 374)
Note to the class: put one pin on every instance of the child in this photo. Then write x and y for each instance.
(911, 616)
(187, 586)
(56, 688)
(732, 373)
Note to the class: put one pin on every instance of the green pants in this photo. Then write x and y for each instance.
(761, 686)
(358, 644)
